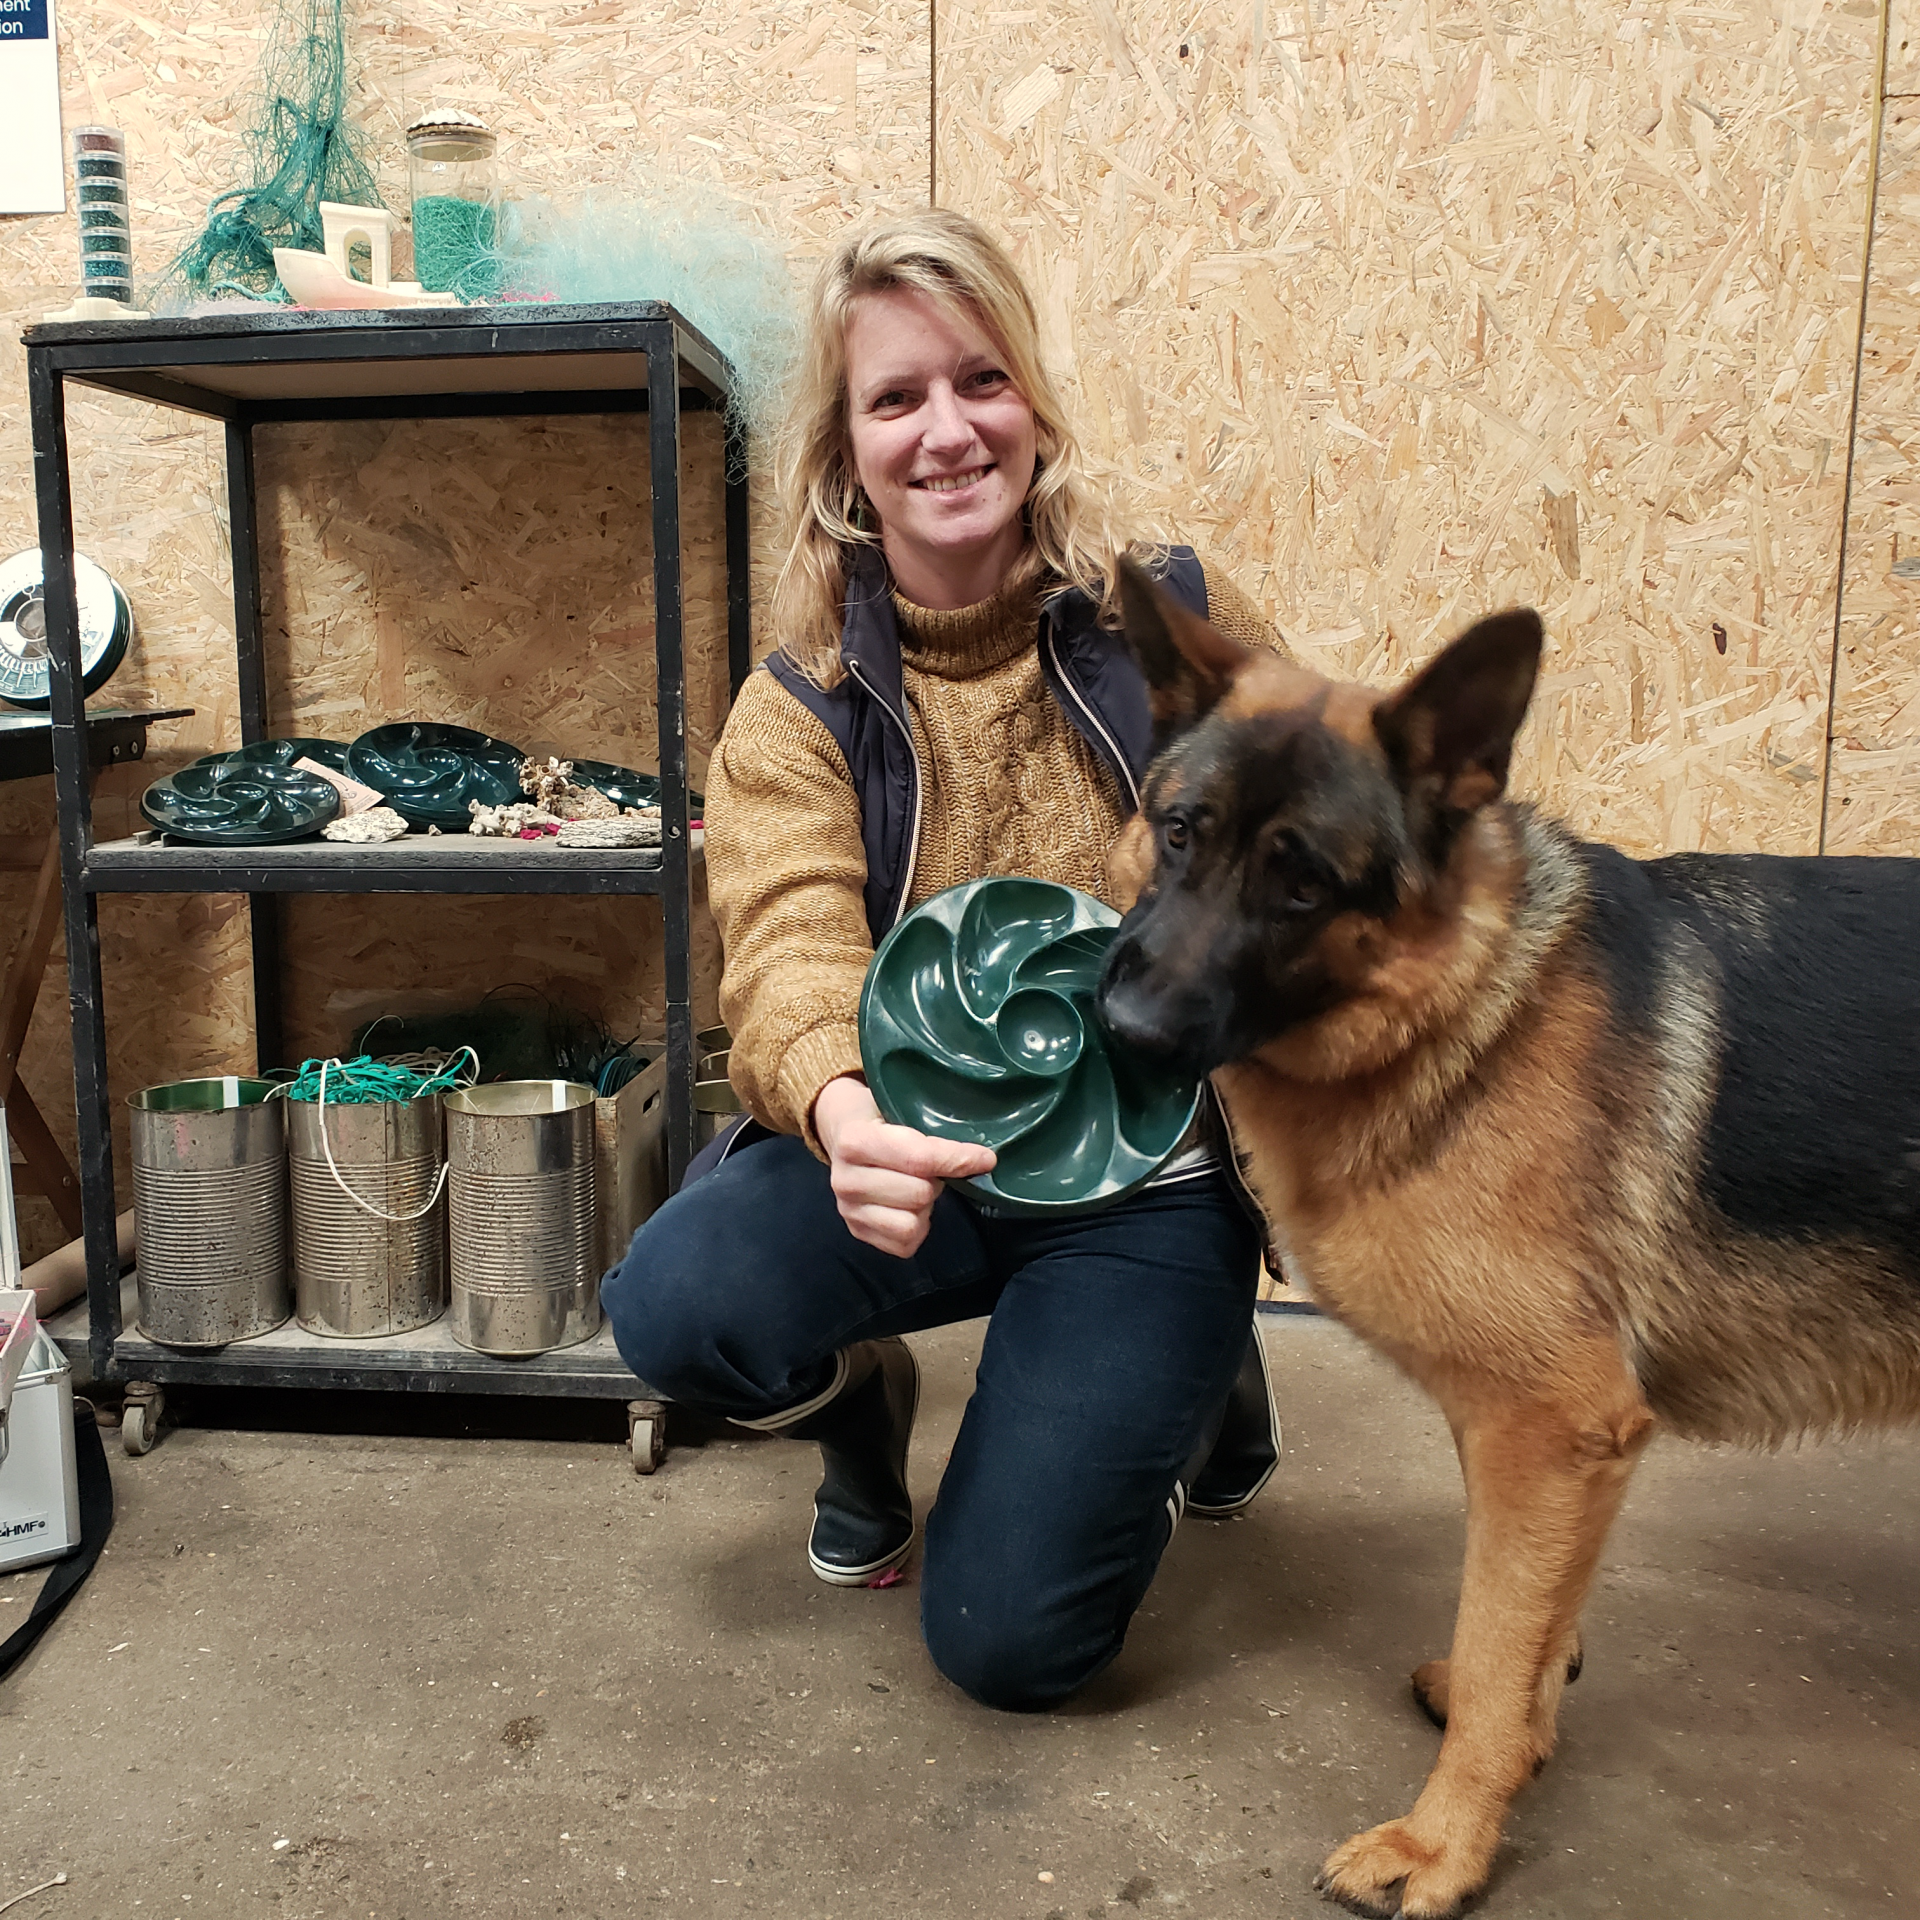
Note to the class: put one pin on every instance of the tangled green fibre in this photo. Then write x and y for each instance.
(300, 151)
(658, 235)
(363, 1082)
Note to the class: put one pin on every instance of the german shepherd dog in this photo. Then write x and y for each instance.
(1584, 1144)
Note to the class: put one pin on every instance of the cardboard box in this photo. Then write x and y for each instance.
(629, 1158)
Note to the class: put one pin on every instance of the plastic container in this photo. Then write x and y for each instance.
(357, 1274)
(19, 1329)
(456, 203)
(520, 1216)
(106, 233)
(977, 1022)
(39, 1479)
(210, 1204)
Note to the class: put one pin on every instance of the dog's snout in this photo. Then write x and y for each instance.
(1139, 1015)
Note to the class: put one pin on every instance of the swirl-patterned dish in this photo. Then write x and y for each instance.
(331, 754)
(625, 788)
(228, 803)
(977, 1023)
(427, 773)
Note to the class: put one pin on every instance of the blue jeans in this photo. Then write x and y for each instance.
(1112, 1343)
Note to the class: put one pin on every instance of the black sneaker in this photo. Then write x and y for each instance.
(863, 1514)
(1248, 1449)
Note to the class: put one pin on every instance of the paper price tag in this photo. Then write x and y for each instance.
(354, 798)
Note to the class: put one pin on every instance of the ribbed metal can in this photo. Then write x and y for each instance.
(210, 1207)
(520, 1216)
(355, 1274)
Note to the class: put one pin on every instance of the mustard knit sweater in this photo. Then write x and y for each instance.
(1008, 786)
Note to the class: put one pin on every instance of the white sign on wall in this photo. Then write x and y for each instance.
(33, 173)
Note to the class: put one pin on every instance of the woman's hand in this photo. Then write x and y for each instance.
(886, 1178)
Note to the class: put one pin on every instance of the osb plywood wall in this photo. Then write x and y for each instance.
(1873, 793)
(1400, 310)
(1411, 311)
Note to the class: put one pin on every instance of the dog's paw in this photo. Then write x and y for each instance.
(1430, 1689)
(1388, 1874)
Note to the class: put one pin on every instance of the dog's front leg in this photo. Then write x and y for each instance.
(1544, 1480)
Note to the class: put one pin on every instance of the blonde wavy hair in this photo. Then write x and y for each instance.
(1072, 534)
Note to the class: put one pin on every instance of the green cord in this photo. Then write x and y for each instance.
(366, 1081)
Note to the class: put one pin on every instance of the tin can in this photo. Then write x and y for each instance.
(520, 1216)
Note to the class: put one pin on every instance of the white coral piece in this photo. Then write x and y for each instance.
(370, 828)
(545, 781)
(506, 822)
(583, 803)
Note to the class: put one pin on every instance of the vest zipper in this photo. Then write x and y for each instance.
(913, 760)
(1119, 759)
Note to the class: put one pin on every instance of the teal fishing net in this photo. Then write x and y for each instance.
(365, 1082)
(515, 1033)
(658, 236)
(300, 151)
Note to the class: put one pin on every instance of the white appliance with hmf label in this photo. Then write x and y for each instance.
(39, 1481)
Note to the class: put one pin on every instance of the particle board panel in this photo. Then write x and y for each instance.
(1903, 47)
(1873, 797)
(1406, 312)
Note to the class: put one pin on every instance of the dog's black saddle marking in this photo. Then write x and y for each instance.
(1813, 994)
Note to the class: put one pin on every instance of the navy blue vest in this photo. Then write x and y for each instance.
(1088, 668)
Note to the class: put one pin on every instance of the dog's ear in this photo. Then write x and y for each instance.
(1189, 663)
(1448, 733)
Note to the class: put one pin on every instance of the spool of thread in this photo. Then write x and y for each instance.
(106, 626)
(106, 233)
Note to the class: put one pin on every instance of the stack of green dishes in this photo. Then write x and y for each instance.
(977, 1023)
(225, 802)
(428, 773)
(621, 785)
(331, 754)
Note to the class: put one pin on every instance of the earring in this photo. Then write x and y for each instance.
(863, 518)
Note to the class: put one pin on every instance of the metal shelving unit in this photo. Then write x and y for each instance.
(246, 368)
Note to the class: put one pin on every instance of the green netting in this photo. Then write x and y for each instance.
(300, 151)
(516, 1033)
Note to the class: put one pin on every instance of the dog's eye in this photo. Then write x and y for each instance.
(1296, 876)
(1173, 834)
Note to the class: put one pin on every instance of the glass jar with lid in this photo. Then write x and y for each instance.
(456, 203)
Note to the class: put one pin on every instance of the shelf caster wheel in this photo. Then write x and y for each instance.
(140, 1417)
(647, 1433)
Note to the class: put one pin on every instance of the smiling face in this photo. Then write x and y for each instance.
(943, 442)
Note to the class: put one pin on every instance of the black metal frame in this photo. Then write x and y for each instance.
(250, 367)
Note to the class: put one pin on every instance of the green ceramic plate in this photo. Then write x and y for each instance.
(621, 785)
(283, 753)
(977, 1023)
(626, 788)
(427, 772)
(234, 804)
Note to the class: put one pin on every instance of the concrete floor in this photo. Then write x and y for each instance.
(493, 1673)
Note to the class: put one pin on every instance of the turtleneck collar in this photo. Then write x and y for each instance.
(967, 641)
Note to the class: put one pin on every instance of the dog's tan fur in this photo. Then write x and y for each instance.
(1530, 1255)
